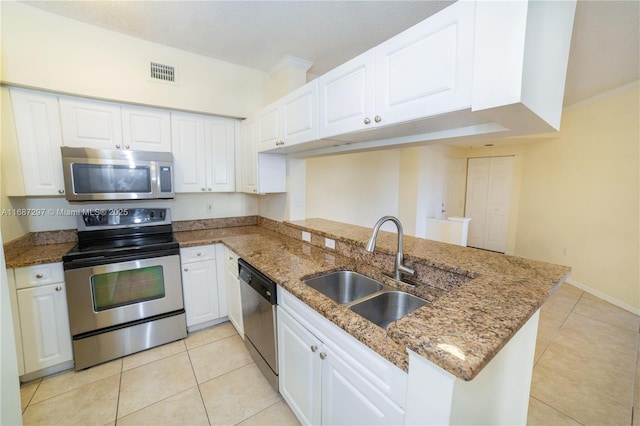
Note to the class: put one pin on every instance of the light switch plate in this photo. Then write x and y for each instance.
(306, 236)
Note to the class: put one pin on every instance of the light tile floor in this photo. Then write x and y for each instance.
(586, 372)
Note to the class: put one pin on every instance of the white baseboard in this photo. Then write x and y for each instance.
(597, 293)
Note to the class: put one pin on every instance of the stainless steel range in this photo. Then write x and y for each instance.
(124, 287)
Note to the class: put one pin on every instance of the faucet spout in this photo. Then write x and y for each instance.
(399, 267)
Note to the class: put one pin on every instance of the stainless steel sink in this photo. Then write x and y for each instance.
(387, 307)
(344, 286)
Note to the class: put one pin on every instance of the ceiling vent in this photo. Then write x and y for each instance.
(161, 72)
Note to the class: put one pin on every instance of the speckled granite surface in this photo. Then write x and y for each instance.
(477, 299)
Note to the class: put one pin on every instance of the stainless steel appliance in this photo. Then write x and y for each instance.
(103, 174)
(259, 317)
(124, 287)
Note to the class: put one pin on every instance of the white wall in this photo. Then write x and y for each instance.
(46, 51)
(354, 188)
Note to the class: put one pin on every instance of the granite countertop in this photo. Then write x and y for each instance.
(478, 300)
(462, 328)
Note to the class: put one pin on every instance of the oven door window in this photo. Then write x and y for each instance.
(114, 289)
(110, 178)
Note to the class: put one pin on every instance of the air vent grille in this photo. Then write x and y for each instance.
(163, 72)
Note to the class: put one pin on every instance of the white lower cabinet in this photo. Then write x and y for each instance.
(202, 301)
(328, 377)
(43, 323)
(232, 282)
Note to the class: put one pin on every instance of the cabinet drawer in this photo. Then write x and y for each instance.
(36, 275)
(195, 254)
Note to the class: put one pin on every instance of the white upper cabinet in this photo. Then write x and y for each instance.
(423, 71)
(219, 135)
(87, 123)
(36, 117)
(476, 69)
(146, 129)
(188, 147)
(260, 172)
(290, 121)
(204, 152)
(346, 96)
(91, 124)
(427, 69)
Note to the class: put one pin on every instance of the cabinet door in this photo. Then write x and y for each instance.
(300, 115)
(234, 301)
(348, 399)
(146, 129)
(249, 156)
(37, 121)
(44, 322)
(299, 367)
(200, 288)
(427, 69)
(188, 147)
(269, 127)
(220, 154)
(91, 124)
(346, 96)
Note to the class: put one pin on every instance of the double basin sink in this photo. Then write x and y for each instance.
(367, 297)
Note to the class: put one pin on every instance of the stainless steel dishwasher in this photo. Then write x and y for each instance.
(259, 316)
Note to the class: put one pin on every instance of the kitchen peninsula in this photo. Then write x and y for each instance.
(473, 341)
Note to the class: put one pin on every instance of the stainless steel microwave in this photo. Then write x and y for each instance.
(104, 174)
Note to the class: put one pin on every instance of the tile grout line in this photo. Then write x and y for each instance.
(198, 384)
(555, 334)
(115, 421)
(559, 411)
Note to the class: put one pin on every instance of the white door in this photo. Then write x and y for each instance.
(37, 121)
(269, 127)
(299, 369)
(498, 203)
(427, 69)
(188, 147)
(488, 201)
(146, 129)
(346, 96)
(300, 115)
(200, 288)
(91, 124)
(248, 156)
(219, 134)
(348, 399)
(44, 321)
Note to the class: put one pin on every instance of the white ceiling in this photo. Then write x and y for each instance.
(605, 48)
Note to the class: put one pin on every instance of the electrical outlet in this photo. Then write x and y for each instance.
(329, 243)
(209, 207)
(306, 236)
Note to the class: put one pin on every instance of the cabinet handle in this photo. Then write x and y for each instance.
(38, 276)
(255, 190)
(230, 258)
(377, 119)
(60, 191)
(209, 189)
(201, 189)
(323, 355)
(198, 254)
(126, 147)
(366, 120)
(314, 348)
(118, 146)
(59, 288)
(186, 269)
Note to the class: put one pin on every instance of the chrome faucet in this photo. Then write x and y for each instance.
(399, 268)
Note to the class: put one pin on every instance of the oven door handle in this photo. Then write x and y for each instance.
(115, 258)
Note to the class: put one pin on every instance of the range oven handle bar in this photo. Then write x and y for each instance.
(114, 258)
